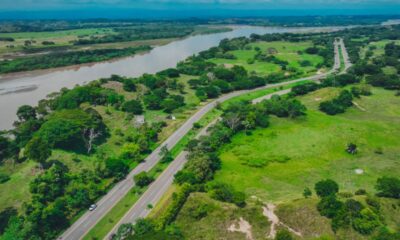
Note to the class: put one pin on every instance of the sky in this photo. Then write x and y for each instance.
(297, 7)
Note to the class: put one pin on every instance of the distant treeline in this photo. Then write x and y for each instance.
(140, 33)
(57, 25)
(65, 59)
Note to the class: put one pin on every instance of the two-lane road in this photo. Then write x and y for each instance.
(88, 220)
(158, 188)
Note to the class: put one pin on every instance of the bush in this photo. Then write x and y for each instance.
(226, 193)
(132, 106)
(173, 209)
(116, 168)
(329, 206)
(129, 85)
(4, 178)
(304, 88)
(143, 179)
(326, 188)
(367, 222)
(360, 192)
(5, 217)
(338, 104)
(388, 187)
(199, 212)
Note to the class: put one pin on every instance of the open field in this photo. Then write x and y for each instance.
(286, 51)
(378, 48)
(277, 163)
(274, 165)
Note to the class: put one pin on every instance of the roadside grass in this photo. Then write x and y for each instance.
(277, 163)
(104, 226)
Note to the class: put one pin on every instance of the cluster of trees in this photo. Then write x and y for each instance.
(338, 104)
(303, 89)
(127, 34)
(66, 58)
(57, 195)
(366, 220)
(158, 97)
(7, 39)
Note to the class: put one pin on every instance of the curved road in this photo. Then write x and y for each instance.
(88, 220)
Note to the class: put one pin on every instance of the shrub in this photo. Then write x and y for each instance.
(173, 209)
(226, 193)
(307, 192)
(4, 178)
(367, 222)
(360, 192)
(329, 206)
(388, 187)
(116, 168)
(132, 106)
(143, 179)
(199, 212)
(326, 188)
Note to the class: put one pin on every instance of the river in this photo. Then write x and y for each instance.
(29, 88)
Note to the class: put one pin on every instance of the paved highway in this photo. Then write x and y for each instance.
(88, 220)
(158, 188)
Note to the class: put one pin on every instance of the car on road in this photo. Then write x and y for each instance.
(92, 207)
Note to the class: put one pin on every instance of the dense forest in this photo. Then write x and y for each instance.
(62, 59)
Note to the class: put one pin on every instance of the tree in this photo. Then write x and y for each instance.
(329, 206)
(129, 85)
(152, 102)
(26, 112)
(143, 179)
(5, 217)
(307, 192)
(116, 168)
(367, 222)
(124, 231)
(326, 188)
(296, 109)
(38, 150)
(143, 226)
(132, 106)
(130, 151)
(388, 187)
(165, 154)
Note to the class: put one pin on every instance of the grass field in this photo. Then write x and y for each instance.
(287, 51)
(293, 154)
(379, 47)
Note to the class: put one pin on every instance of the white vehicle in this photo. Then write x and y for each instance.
(92, 207)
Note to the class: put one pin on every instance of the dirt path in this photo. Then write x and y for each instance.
(269, 212)
(244, 227)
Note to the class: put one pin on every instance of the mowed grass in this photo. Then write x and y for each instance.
(287, 51)
(277, 163)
